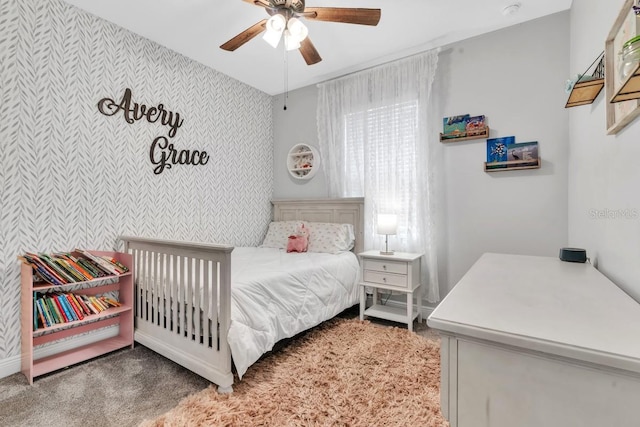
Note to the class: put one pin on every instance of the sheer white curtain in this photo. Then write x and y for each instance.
(375, 142)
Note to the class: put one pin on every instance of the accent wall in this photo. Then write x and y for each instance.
(73, 177)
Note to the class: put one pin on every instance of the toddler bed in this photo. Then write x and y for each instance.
(202, 305)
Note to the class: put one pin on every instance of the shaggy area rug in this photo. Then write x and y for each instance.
(342, 373)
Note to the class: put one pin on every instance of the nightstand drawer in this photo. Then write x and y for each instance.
(391, 279)
(385, 266)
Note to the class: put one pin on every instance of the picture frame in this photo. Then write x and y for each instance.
(504, 154)
(619, 114)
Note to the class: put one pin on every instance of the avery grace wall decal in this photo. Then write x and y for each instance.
(162, 153)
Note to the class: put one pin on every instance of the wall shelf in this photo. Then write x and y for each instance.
(303, 161)
(481, 134)
(588, 85)
(512, 165)
(630, 88)
(584, 93)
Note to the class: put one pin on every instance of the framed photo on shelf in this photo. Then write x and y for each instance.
(497, 148)
(619, 114)
(522, 154)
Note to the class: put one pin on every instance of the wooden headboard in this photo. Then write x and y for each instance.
(341, 211)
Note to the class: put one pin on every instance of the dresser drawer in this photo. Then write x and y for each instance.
(391, 279)
(385, 266)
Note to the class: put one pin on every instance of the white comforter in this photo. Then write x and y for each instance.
(277, 295)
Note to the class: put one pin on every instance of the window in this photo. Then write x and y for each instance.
(380, 154)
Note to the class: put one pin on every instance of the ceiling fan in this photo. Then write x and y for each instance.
(285, 23)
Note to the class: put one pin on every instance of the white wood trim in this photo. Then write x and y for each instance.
(341, 211)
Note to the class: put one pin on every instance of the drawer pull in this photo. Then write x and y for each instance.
(384, 266)
(384, 279)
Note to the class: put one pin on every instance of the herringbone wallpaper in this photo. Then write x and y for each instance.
(73, 177)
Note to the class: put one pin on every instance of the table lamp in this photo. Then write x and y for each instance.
(387, 224)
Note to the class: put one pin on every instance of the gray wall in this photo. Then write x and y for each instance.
(604, 176)
(292, 126)
(516, 78)
(72, 177)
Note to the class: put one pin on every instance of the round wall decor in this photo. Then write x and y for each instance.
(303, 161)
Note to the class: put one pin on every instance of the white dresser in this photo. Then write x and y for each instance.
(534, 341)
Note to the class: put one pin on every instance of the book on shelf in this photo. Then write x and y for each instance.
(102, 263)
(62, 309)
(67, 276)
(74, 306)
(51, 308)
(43, 319)
(63, 268)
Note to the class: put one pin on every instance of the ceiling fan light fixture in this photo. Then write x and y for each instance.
(291, 42)
(297, 29)
(275, 27)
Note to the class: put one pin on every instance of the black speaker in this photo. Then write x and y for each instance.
(573, 255)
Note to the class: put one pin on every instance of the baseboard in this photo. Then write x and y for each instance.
(11, 365)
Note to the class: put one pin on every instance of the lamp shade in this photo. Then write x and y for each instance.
(297, 29)
(275, 26)
(290, 42)
(387, 224)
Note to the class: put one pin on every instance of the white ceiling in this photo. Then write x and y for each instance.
(196, 28)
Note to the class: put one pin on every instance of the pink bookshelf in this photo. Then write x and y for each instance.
(121, 316)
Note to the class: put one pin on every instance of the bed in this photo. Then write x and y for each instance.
(211, 307)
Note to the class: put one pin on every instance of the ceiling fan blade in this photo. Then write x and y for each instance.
(309, 52)
(262, 3)
(344, 15)
(244, 36)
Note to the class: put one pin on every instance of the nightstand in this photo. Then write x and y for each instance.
(399, 272)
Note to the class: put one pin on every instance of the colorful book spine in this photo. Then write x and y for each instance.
(41, 315)
(63, 313)
(77, 305)
(89, 304)
(54, 266)
(92, 268)
(102, 263)
(71, 314)
(53, 309)
(45, 271)
(76, 309)
(123, 268)
(45, 311)
(87, 311)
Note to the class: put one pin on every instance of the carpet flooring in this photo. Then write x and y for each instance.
(123, 388)
(343, 373)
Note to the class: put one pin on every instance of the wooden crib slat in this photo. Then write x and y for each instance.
(145, 283)
(174, 295)
(189, 282)
(196, 289)
(183, 296)
(206, 282)
(163, 295)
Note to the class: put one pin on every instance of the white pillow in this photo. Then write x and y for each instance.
(279, 232)
(329, 237)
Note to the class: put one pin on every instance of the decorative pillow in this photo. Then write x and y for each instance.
(279, 232)
(299, 242)
(330, 238)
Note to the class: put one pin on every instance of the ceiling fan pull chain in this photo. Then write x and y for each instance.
(286, 77)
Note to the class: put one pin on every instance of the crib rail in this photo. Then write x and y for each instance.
(182, 303)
